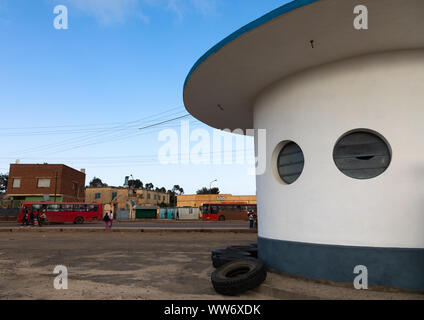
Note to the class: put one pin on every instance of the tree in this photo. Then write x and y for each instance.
(205, 190)
(4, 178)
(149, 186)
(163, 205)
(97, 183)
(176, 191)
(135, 184)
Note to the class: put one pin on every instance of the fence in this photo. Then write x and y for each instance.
(9, 212)
(187, 213)
(123, 215)
(167, 213)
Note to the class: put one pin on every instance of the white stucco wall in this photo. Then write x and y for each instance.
(384, 93)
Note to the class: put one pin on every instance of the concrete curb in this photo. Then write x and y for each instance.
(147, 230)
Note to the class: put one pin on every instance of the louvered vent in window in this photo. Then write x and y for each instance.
(362, 155)
(290, 162)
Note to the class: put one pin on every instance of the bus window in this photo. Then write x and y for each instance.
(205, 209)
(53, 207)
(66, 207)
(214, 209)
(80, 207)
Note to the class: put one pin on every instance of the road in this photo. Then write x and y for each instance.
(154, 224)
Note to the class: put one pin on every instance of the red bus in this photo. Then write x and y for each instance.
(64, 211)
(227, 211)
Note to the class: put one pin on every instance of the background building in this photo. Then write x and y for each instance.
(196, 200)
(124, 198)
(30, 182)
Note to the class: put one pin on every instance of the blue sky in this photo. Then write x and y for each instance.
(79, 96)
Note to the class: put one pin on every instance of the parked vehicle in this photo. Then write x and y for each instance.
(227, 211)
(61, 212)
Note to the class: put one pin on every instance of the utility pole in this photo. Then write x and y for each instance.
(55, 188)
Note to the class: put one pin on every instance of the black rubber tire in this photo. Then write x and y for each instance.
(221, 218)
(219, 252)
(238, 276)
(251, 250)
(79, 220)
(220, 260)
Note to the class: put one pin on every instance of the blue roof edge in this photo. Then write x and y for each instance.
(249, 27)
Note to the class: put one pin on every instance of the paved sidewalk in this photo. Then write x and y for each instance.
(137, 226)
(131, 230)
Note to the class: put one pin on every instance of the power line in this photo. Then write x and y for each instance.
(157, 124)
(109, 131)
(85, 125)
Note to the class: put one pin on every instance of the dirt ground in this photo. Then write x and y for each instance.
(112, 265)
(123, 265)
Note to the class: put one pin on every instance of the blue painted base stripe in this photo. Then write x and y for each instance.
(393, 267)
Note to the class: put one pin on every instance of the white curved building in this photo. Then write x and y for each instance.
(344, 113)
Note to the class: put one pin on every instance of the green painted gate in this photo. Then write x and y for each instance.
(145, 213)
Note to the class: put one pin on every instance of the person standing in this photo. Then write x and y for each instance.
(111, 219)
(251, 221)
(43, 218)
(37, 218)
(31, 218)
(25, 218)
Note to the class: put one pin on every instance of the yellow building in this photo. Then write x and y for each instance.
(123, 198)
(196, 200)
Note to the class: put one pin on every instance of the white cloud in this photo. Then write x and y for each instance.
(181, 7)
(108, 11)
(119, 11)
(206, 7)
(176, 7)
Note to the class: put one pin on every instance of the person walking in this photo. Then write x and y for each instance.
(106, 219)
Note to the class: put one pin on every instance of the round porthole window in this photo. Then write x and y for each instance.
(290, 162)
(362, 154)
